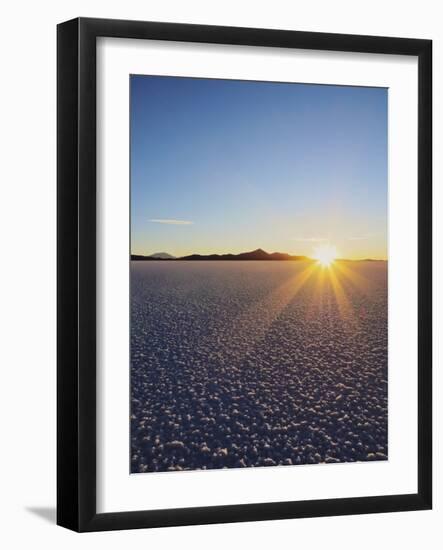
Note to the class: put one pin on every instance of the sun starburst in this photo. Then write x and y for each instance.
(325, 255)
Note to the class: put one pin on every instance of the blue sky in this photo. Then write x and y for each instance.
(229, 166)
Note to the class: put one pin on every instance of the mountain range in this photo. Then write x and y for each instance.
(258, 254)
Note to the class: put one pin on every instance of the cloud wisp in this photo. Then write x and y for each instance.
(361, 237)
(168, 221)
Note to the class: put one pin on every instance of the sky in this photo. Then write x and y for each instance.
(228, 166)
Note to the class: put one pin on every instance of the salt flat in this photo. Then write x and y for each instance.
(257, 363)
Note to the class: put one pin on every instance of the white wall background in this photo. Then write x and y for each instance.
(27, 275)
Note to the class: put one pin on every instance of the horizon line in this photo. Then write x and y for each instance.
(257, 250)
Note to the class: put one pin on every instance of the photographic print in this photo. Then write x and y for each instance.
(258, 274)
(226, 241)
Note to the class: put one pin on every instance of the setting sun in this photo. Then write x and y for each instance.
(325, 255)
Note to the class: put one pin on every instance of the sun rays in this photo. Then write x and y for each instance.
(328, 291)
(333, 285)
(252, 324)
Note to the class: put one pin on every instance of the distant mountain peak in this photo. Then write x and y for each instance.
(162, 256)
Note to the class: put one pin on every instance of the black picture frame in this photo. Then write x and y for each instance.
(76, 282)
